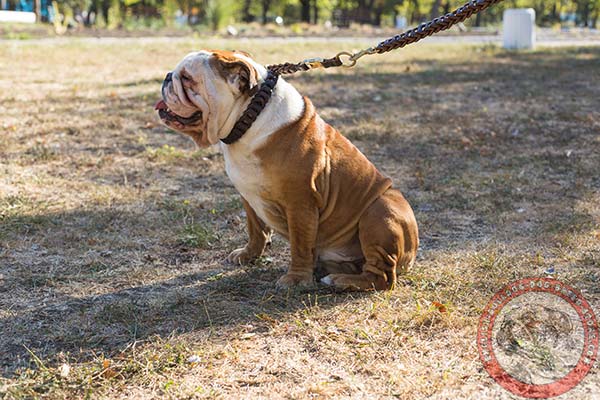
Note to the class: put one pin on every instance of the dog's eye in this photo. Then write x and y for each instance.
(185, 78)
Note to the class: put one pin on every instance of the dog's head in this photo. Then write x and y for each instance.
(207, 92)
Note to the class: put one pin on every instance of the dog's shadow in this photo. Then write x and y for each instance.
(218, 298)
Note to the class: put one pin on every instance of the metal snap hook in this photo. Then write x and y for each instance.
(361, 53)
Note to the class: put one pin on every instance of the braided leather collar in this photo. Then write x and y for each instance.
(257, 104)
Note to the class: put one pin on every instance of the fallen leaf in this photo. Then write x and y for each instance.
(193, 359)
(247, 335)
(64, 370)
(441, 308)
(466, 142)
(108, 372)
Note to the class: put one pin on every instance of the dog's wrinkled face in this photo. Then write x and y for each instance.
(205, 94)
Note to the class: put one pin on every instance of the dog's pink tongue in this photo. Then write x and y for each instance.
(161, 105)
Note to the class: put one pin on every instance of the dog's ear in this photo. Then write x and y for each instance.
(244, 53)
(238, 72)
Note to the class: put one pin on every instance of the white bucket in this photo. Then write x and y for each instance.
(519, 28)
(17, 16)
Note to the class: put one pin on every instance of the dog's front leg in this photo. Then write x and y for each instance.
(303, 223)
(259, 234)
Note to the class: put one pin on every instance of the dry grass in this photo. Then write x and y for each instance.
(112, 228)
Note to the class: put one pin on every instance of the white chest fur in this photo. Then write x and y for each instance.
(242, 165)
(245, 172)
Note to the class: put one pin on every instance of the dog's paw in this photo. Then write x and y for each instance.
(339, 282)
(289, 281)
(352, 282)
(240, 256)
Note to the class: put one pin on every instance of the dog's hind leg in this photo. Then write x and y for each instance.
(389, 239)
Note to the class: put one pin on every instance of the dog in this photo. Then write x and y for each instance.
(297, 176)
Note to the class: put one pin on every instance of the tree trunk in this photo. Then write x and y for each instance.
(554, 13)
(105, 7)
(435, 9)
(3, 4)
(539, 12)
(316, 11)
(246, 16)
(377, 16)
(305, 11)
(478, 20)
(38, 10)
(363, 12)
(92, 9)
(585, 15)
(266, 4)
(416, 15)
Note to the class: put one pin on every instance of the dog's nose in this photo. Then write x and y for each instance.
(165, 83)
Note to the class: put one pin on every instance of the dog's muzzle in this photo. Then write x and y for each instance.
(166, 114)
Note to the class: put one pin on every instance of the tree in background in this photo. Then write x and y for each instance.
(214, 14)
(305, 10)
(220, 13)
(246, 15)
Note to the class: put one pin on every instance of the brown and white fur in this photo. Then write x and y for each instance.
(297, 175)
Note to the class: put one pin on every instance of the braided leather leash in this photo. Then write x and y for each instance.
(260, 99)
(411, 36)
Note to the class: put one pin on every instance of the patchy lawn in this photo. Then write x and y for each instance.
(113, 229)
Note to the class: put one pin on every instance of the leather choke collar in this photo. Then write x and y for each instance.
(257, 104)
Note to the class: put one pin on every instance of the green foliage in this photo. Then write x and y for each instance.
(197, 235)
(219, 13)
(19, 36)
(132, 23)
(115, 19)
(215, 14)
(168, 11)
(100, 21)
(165, 153)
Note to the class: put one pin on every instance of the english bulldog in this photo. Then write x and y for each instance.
(296, 174)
